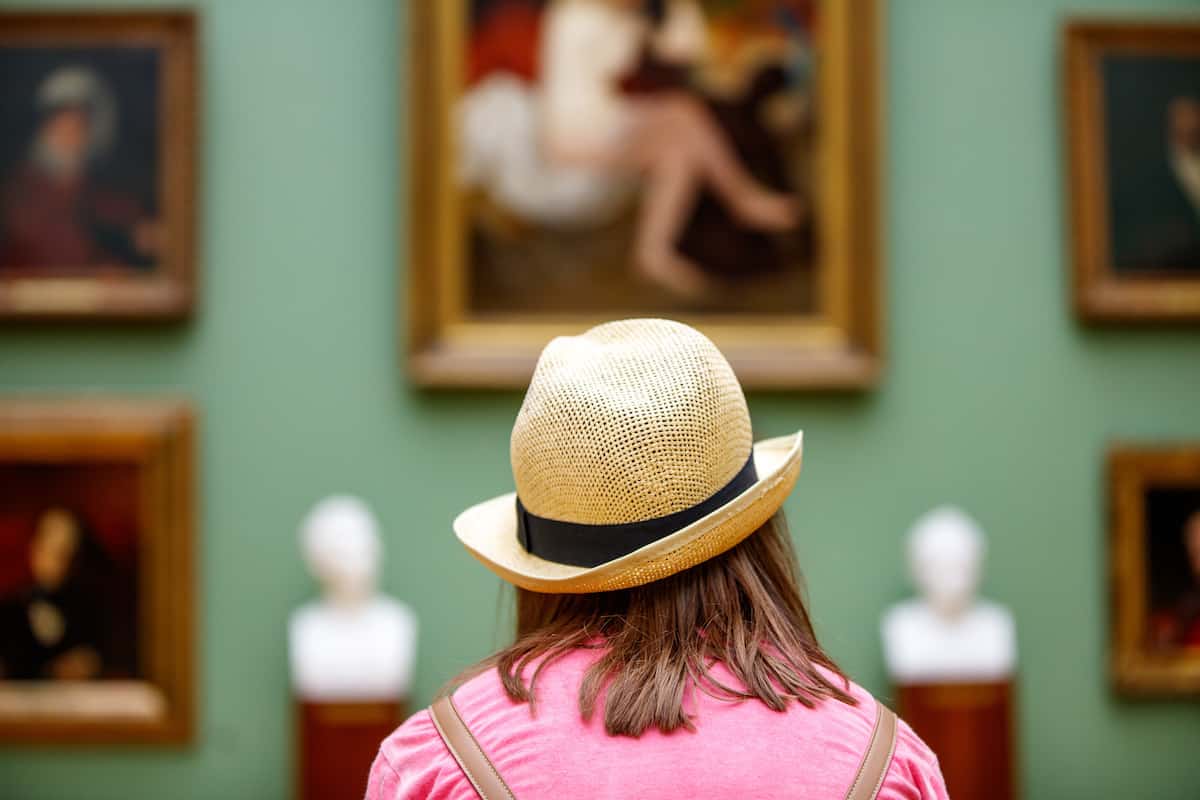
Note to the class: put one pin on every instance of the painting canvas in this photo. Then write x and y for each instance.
(580, 160)
(95, 165)
(68, 573)
(1173, 568)
(1156, 568)
(95, 601)
(1152, 114)
(1134, 107)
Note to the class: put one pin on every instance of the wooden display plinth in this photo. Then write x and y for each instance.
(970, 726)
(336, 744)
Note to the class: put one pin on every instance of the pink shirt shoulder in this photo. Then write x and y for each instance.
(737, 750)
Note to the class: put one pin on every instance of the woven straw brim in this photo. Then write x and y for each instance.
(489, 531)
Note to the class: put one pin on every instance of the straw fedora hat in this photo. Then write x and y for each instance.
(633, 460)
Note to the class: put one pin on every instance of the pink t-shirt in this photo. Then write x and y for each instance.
(739, 749)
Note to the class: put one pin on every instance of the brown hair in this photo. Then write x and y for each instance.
(743, 609)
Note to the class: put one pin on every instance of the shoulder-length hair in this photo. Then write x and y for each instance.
(743, 609)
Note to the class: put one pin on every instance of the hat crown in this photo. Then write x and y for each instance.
(629, 421)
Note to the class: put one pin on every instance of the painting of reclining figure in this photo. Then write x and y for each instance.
(632, 157)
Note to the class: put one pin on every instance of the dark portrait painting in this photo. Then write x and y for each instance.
(643, 156)
(95, 570)
(1173, 566)
(1152, 124)
(713, 161)
(1155, 568)
(1133, 147)
(79, 155)
(97, 164)
(68, 571)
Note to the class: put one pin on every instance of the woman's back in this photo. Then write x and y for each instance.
(663, 647)
(738, 749)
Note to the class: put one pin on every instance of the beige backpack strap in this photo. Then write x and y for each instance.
(869, 779)
(486, 779)
(466, 751)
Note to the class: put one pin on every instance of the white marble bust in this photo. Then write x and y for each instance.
(353, 643)
(948, 634)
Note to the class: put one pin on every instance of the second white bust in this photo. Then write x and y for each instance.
(353, 643)
(948, 634)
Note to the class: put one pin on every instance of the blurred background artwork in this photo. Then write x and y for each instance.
(1156, 568)
(68, 573)
(1152, 118)
(1173, 567)
(1134, 98)
(354, 643)
(94, 616)
(94, 175)
(948, 633)
(952, 657)
(80, 156)
(653, 157)
(352, 652)
(639, 154)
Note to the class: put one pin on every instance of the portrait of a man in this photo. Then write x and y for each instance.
(79, 157)
(1152, 119)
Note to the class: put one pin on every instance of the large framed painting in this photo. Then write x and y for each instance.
(714, 161)
(1133, 113)
(97, 164)
(1155, 562)
(96, 584)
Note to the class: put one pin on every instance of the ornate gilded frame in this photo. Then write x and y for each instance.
(1099, 294)
(838, 347)
(171, 292)
(158, 436)
(1136, 669)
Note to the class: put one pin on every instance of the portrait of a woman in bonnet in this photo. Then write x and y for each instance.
(663, 646)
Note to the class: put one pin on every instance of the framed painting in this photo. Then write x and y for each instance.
(713, 161)
(1133, 128)
(96, 584)
(1155, 562)
(97, 164)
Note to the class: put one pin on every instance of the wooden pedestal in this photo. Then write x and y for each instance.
(336, 744)
(970, 726)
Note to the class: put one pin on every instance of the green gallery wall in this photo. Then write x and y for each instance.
(994, 396)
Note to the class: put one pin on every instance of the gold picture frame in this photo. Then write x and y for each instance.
(837, 346)
(1143, 480)
(1139, 291)
(126, 282)
(153, 442)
